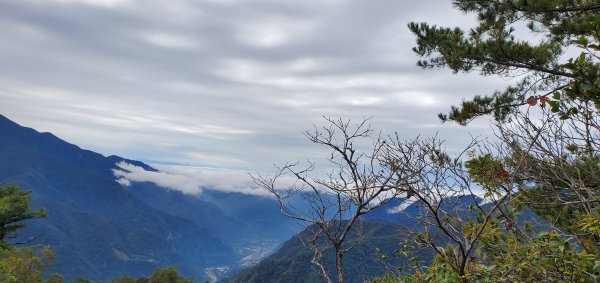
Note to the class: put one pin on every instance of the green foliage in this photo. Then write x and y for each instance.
(572, 208)
(21, 264)
(24, 264)
(548, 258)
(589, 223)
(168, 275)
(14, 208)
(492, 49)
(124, 279)
(438, 271)
(55, 278)
(83, 280)
(487, 172)
(503, 257)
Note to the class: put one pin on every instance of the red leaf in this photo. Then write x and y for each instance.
(544, 100)
(503, 174)
(532, 100)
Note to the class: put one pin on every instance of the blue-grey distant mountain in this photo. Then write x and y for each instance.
(102, 230)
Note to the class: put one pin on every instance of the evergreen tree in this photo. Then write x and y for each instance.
(168, 275)
(14, 208)
(561, 150)
(492, 48)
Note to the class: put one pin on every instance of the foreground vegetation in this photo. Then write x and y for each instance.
(546, 157)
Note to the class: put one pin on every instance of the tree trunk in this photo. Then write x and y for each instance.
(338, 263)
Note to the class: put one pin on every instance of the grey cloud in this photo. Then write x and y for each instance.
(222, 83)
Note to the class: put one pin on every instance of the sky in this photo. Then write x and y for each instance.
(226, 84)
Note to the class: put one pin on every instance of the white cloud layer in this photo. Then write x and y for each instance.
(132, 173)
(402, 206)
(192, 180)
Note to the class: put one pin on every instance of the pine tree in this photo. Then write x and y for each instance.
(14, 208)
(492, 48)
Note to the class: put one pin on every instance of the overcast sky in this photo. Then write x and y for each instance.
(223, 83)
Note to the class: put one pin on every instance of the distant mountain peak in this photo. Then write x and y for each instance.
(102, 230)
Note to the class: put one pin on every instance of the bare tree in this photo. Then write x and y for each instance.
(439, 185)
(420, 170)
(542, 161)
(358, 183)
(561, 166)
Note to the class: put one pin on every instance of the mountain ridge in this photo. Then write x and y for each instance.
(102, 230)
